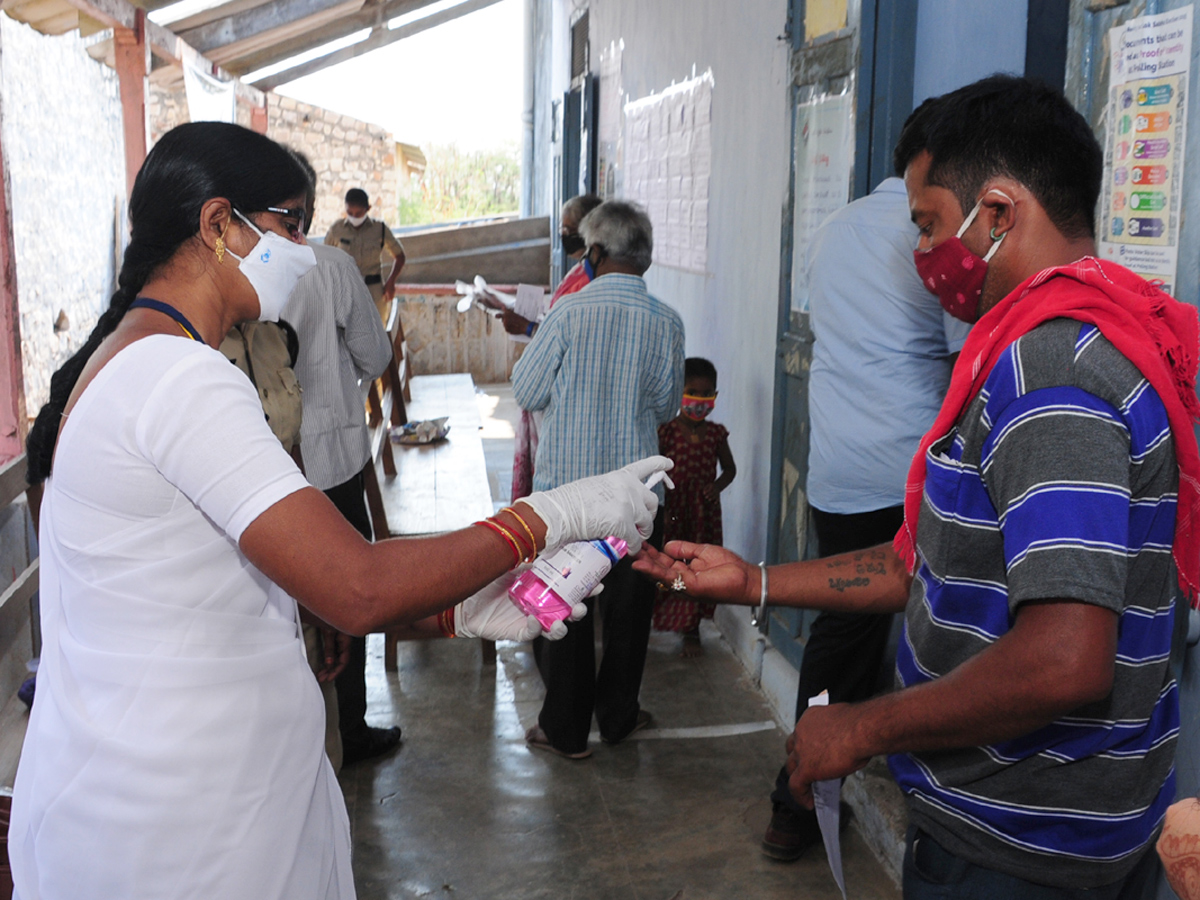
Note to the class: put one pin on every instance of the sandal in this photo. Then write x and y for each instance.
(536, 739)
(644, 720)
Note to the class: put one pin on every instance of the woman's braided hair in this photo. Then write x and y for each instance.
(189, 166)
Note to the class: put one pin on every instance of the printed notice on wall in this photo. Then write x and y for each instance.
(667, 163)
(824, 154)
(1147, 127)
(609, 182)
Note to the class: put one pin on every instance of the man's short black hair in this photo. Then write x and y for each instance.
(357, 197)
(699, 367)
(1005, 125)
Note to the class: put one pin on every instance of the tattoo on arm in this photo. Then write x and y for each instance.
(865, 562)
(840, 584)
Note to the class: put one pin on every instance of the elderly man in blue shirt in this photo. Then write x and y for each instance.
(606, 366)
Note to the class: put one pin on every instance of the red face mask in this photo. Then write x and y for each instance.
(953, 273)
(698, 408)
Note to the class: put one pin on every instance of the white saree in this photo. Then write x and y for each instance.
(175, 748)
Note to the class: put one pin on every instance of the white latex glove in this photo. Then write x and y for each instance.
(490, 614)
(616, 503)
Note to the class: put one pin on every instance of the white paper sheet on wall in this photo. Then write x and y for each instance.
(667, 165)
(610, 178)
(824, 148)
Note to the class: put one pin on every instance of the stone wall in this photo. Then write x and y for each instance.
(166, 107)
(345, 152)
(60, 115)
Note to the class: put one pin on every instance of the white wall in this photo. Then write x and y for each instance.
(730, 314)
(60, 115)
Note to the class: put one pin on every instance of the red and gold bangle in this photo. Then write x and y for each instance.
(445, 620)
(516, 537)
(517, 540)
(506, 534)
(529, 531)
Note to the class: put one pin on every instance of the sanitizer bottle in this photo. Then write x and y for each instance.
(552, 583)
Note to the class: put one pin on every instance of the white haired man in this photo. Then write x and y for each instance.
(606, 366)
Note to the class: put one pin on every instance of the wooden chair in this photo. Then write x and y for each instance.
(386, 409)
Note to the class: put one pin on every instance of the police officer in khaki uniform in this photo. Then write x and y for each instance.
(365, 239)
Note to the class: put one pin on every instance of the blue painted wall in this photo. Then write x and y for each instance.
(958, 43)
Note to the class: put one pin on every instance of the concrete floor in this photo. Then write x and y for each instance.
(465, 809)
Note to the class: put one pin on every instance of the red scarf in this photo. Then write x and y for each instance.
(575, 280)
(1155, 332)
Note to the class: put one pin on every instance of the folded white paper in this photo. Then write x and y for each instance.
(530, 302)
(827, 798)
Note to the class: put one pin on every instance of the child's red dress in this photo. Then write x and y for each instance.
(687, 514)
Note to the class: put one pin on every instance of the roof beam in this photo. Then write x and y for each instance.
(378, 38)
(373, 14)
(212, 14)
(261, 21)
(123, 14)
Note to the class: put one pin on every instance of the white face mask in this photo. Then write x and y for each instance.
(356, 220)
(273, 267)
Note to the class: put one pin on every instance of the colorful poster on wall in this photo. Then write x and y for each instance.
(1147, 129)
(824, 156)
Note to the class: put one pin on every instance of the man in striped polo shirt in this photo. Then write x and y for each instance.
(1034, 728)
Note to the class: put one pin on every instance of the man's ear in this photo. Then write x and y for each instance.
(1000, 205)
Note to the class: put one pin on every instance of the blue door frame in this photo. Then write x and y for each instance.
(876, 57)
(872, 58)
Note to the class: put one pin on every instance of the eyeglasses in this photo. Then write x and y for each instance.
(294, 229)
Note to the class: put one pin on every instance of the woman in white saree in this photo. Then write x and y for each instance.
(175, 748)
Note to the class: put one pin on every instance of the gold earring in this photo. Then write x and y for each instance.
(220, 248)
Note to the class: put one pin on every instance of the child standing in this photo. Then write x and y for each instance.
(692, 511)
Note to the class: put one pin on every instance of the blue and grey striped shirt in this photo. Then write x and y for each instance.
(606, 365)
(1060, 481)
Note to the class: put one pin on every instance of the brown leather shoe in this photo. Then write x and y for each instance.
(789, 835)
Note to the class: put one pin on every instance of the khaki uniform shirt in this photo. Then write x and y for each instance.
(365, 243)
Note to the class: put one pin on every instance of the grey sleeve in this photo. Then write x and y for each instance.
(359, 324)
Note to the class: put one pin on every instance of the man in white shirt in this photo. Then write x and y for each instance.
(343, 347)
(882, 358)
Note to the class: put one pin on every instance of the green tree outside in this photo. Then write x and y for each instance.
(462, 185)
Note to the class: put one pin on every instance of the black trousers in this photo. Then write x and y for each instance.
(844, 650)
(351, 502)
(574, 689)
